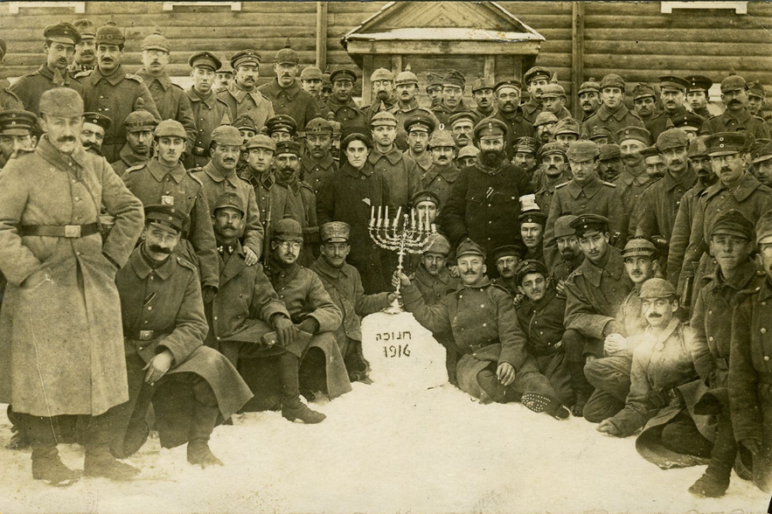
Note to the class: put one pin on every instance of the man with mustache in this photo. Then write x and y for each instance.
(443, 173)
(407, 108)
(85, 51)
(507, 259)
(317, 163)
(532, 233)
(93, 134)
(453, 85)
(139, 127)
(482, 92)
(219, 176)
(756, 98)
(224, 76)
(610, 162)
(209, 112)
(697, 95)
(736, 116)
(434, 89)
(462, 125)
(242, 96)
(418, 128)
(384, 97)
(553, 172)
(553, 99)
(59, 47)
(399, 170)
(672, 91)
(653, 164)
(633, 180)
(571, 256)
(645, 102)
(762, 164)
(341, 103)
(508, 112)
(613, 114)
(8, 99)
(535, 80)
(589, 98)
(281, 128)
(545, 126)
(16, 134)
(259, 151)
(495, 365)
(284, 92)
(107, 89)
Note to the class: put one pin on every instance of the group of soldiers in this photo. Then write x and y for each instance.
(166, 247)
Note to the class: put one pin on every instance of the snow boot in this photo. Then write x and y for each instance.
(202, 425)
(303, 413)
(99, 460)
(46, 464)
(491, 385)
(715, 481)
(358, 367)
(540, 403)
(292, 408)
(580, 385)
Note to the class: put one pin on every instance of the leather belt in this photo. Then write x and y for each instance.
(68, 231)
(476, 347)
(144, 335)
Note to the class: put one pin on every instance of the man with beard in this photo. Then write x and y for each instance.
(443, 173)
(341, 102)
(418, 128)
(697, 95)
(399, 170)
(93, 134)
(384, 99)
(453, 85)
(285, 93)
(219, 176)
(434, 89)
(317, 163)
(507, 259)
(532, 233)
(485, 198)
(170, 99)
(139, 126)
(736, 117)
(482, 92)
(671, 90)
(511, 115)
(163, 180)
(762, 164)
(467, 156)
(571, 256)
(59, 47)
(462, 126)
(525, 149)
(407, 106)
(589, 98)
(613, 114)
(645, 102)
(610, 162)
(594, 293)
(243, 96)
(545, 126)
(756, 98)
(344, 285)
(535, 80)
(281, 128)
(633, 180)
(585, 193)
(553, 99)
(554, 171)
(653, 164)
(108, 90)
(209, 112)
(567, 131)
(85, 51)
(224, 76)
(496, 365)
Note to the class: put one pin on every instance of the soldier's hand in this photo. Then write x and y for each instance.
(505, 373)
(286, 330)
(250, 257)
(392, 297)
(158, 366)
(753, 445)
(560, 287)
(609, 428)
(615, 343)
(454, 271)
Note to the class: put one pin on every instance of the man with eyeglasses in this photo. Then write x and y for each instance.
(418, 128)
(384, 98)
(439, 179)
(737, 116)
(453, 85)
(672, 90)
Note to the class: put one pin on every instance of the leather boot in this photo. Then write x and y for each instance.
(292, 408)
(99, 460)
(715, 481)
(580, 385)
(540, 403)
(202, 425)
(46, 464)
(490, 383)
(358, 367)
(19, 439)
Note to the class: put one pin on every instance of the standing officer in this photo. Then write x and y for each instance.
(589, 98)
(736, 117)
(317, 163)
(209, 111)
(341, 103)
(110, 91)
(384, 99)
(85, 51)
(535, 79)
(671, 91)
(243, 96)
(285, 93)
(613, 114)
(697, 95)
(139, 127)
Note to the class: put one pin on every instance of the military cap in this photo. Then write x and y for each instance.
(226, 66)
(225, 135)
(687, 121)
(311, 73)
(425, 196)
(756, 88)
(382, 74)
(649, 151)
(585, 223)
(109, 34)
(490, 127)
(514, 250)
(672, 138)
(698, 83)
(633, 132)
(590, 85)
(86, 28)
(642, 91)
(171, 128)
(17, 123)
(563, 226)
(553, 147)
(639, 247)
(514, 84)
(335, 232)
(326, 82)
(288, 229)
(166, 215)
(355, 133)
(582, 150)
(156, 42)
(96, 118)
(3, 47)
(467, 151)
(535, 73)
(139, 120)
(545, 117)
(288, 147)
(673, 82)
(534, 216)
(733, 83)
(281, 123)
(342, 74)
(764, 228)
(733, 223)
(725, 143)
(599, 132)
(531, 266)
(568, 126)
(261, 141)
(244, 122)
(433, 79)
(760, 153)
(245, 57)
(318, 126)
(62, 32)
(437, 243)
(481, 84)
(61, 101)
(229, 199)
(697, 147)
(419, 123)
(454, 78)
(612, 80)
(383, 118)
(657, 288)
(469, 247)
(406, 77)
(205, 60)
(463, 115)
(525, 144)
(286, 56)
(553, 91)
(609, 152)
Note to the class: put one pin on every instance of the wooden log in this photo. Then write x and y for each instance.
(321, 35)
(577, 52)
(367, 70)
(667, 63)
(737, 49)
(709, 36)
(442, 47)
(664, 21)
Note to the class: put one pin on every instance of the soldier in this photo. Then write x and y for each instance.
(567, 131)
(407, 107)
(571, 255)
(585, 193)
(164, 328)
(219, 176)
(281, 128)
(535, 80)
(16, 134)
(610, 162)
(110, 91)
(462, 127)
(511, 114)
(260, 151)
(434, 89)
(8, 99)
(243, 96)
(85, 50)
(594, 293)
(756, 98)
(633, 180)
(311, 82)
(467, 156)
(672, 91)
(645, 102)
(443, 173)
(689, 123)
(653, 164)
(93, 134)
(139, 126)
(418, 129)
(164, 180)
(589, 98)
(697, 95)
(285, 93)
(399, 170)
(209, 111)
(482, 92)
(341, 103)
(553, 172)
(532, 233)
(224, 76)
(496, 365)
(59, 46)
(485, 198)
(507, 259)
(524, 157)
(317, 163)
(613, 114)
(453, 85)
(553, 99)
(736, 117)
(545, 125)
(384, 99)
(344, 285)
(762, 164)
(326, 92)
(56, 262)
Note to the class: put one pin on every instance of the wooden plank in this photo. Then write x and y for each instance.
(367, 70)
(396, 64)
(443, 47)
(667, 63)
(367, 9)
(489, 71)
(676, 48)
(760, 36)
(321, 35)
(650, 76)
(577, 52)
(690, 21)
(523, 9)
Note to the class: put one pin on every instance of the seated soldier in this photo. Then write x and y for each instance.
(496, 365)
(541, 317)
(507, 259)
(164, 328)
(532, 232)
(344, 285)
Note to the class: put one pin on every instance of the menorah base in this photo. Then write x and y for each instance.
(395, 307)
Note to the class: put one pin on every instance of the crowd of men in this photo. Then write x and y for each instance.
(159, 244)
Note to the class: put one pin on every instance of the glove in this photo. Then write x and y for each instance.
(309, 325)
(285, 330)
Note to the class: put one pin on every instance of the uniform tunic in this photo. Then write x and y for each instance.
(517, 126)
(128, 159)
(659, 123)
(531, 109)
(440, 180)
(316, 173)
(8, 99)
(619, 118)
(423, 161)
(247, 103)
(659, 204)
(742, 121)
(209, 112)
(401, 173)
(403, 114)
(443, 113)
(545, 192)
(172, 103)
(630, 188)
(682, 227)
(291, 101)
(29, 88)
(347, 114)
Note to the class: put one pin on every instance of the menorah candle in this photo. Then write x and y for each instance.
(412, 219)
(372, 215)
(434, 228)
(378, 224)
(386, 219)
(396, 218)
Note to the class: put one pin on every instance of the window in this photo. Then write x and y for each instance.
(739, 7)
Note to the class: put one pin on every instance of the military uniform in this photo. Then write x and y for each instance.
(517, 127)
(128, 159)
(631, 188)
(402, 114)
(743, 121)
(209, 113)
(172, 103)
(316, 173)
(29, 87)
(679, 238)
(347, 114)
(247, 103)
(612, 121)
(400, 171)
(440, 181)
(443, 113)
(659, 204)
(659, 123)
(291, 101)
(8, 99)
(531, 109)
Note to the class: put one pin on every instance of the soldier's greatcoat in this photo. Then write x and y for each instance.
(209, 112)
(29, 88)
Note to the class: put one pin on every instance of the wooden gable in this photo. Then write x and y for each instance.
(442, 15)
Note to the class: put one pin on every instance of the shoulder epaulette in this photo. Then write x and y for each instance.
(703, 192)
(135, 168)
(135, 77)
(198, 180)
(187, 264)
(564, 184)
(609, 184)
(178, 86)
(306, 185)
(84, 73)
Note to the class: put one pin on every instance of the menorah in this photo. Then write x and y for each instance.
(409, 236)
